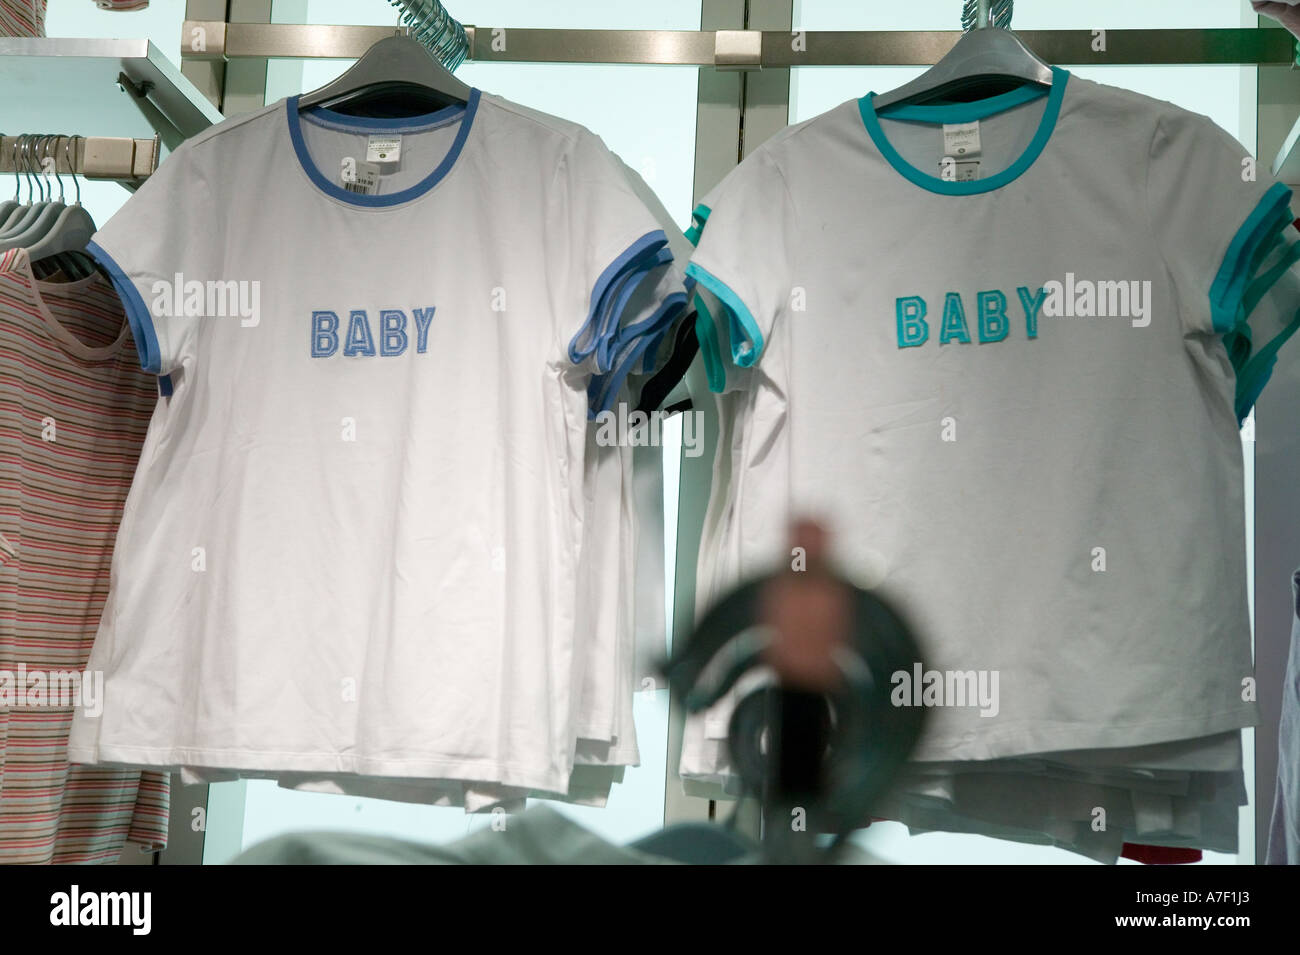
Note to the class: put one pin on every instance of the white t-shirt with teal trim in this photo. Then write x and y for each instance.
(1009, 379)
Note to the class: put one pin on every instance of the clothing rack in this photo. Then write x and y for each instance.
(746, 49)
(93, 157)
(744, 98)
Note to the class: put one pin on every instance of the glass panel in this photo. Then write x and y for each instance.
(1227, 94)
(646, 114)
(159, 22)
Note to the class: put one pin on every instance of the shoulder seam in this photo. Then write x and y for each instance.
(226, 125)
(769, 145)
(794, 212)
(1157, 126)
(536, 118)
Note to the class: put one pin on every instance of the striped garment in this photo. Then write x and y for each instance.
(27, 17)
(74, 408)
(22, 17)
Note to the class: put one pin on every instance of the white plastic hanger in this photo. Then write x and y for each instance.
(396, 76)
(982, 55)
(26, 213)
(72, 227)
(8, 206)
(38, 225)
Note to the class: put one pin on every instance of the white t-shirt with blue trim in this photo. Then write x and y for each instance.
(354, 541)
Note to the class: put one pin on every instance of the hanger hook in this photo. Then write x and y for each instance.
(33, 183)
(43, 146)
(34, 167)
(40, 152)
(51, 157)
(57, 177)
(996, 13)
(17, 178)
(70, 153)
(20, 162)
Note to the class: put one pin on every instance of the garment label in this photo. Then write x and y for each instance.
(385, 148)
(959, 170)
(961, 140)
(361, 178)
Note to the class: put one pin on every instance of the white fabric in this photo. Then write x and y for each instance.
(1092, 819)
(616, 526)
(1091, 433)
(401, 605)
(835, 420)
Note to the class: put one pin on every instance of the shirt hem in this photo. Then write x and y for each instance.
(482, 771)
(1027, 742)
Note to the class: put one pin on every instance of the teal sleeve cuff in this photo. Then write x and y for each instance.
(706, 333)
(1228, 292)
(746, 339)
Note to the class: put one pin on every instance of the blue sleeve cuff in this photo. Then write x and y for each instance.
(660, 323)
(604, 389)
(689, 284)
(636, 329)
(137, 313)
(616, 305)
(596, 335)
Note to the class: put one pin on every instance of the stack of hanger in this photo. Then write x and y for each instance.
(429, 23)
(53, 232)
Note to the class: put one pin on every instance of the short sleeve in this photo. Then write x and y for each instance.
(649, 315)
(150, 241)
(1216, 216)
(610, 246)
(714, 326)
(745, 229)
(678, 286)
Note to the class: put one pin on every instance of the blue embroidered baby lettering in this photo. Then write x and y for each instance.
(423, 319)
(359, 340)
(393, 339)
(389, 339)
(324, 334)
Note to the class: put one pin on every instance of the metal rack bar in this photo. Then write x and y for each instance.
(777, 49)
(92, 157)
